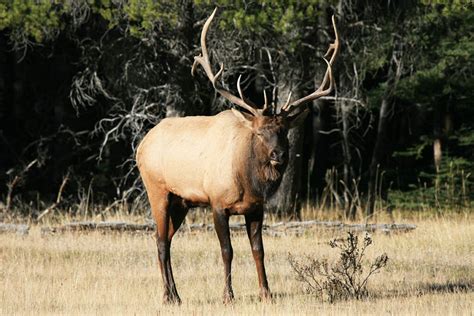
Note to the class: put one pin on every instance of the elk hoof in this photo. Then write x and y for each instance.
(228, 297)
(266, 296)
(171, 299)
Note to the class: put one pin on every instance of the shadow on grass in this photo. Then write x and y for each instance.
(422, 289)
(449, 287)
(430, 288)
(252, 299)
(465, 286)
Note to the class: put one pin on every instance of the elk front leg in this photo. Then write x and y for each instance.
(253, 223)
(221, 224)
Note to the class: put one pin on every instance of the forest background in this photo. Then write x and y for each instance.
(81, 82)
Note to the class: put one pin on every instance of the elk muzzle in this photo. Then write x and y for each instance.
(277, 157)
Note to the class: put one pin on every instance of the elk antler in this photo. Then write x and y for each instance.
(203, 60)
(321, 91)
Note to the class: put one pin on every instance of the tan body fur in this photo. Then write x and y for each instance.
(199, 158)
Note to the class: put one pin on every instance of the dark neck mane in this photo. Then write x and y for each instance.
(262, 178)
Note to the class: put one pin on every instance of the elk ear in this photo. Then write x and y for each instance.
(297, 119)
(245, 118)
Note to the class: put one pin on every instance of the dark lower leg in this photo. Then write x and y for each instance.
(221, 223)
(177, 214)
(170, 294)
(253, 223)
(162, 219)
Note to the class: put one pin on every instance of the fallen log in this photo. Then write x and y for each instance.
(98, 226)
(19, 229)
(277, 229)
(385, 228)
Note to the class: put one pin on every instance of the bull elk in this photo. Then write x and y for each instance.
(231, 162)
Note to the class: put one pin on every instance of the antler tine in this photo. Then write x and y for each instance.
(239, 88)
(203, 60)
(248, 102)
(321, 91)
(287, 101)
(333, 46)
(316, 94)
(265, 105)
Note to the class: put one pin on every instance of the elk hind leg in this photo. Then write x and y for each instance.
(160, 207)
(177, 210)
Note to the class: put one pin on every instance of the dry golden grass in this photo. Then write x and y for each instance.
(430, 271)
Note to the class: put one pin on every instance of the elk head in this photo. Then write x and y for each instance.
(270, 125)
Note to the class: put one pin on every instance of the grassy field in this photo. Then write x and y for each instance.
(430, 271)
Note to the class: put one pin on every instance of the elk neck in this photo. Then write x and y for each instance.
(261, 178)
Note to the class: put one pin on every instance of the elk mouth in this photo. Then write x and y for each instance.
(277, 158)
(276, 162)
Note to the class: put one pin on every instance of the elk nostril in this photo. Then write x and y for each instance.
(277, 156)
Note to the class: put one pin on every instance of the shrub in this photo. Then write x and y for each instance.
(343, 279)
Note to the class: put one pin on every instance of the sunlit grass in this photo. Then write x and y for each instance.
(431, 270)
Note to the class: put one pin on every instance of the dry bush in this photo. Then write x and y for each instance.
(343, 279)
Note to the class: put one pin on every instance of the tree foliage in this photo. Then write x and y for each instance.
(82, 81)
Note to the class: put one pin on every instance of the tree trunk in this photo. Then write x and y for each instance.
(380, 149)
(348, 175)
(437, 153)
(444, 119)
(377, 154)
(319, 160)
(286, 200)
(442, 125)
(318, 143)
